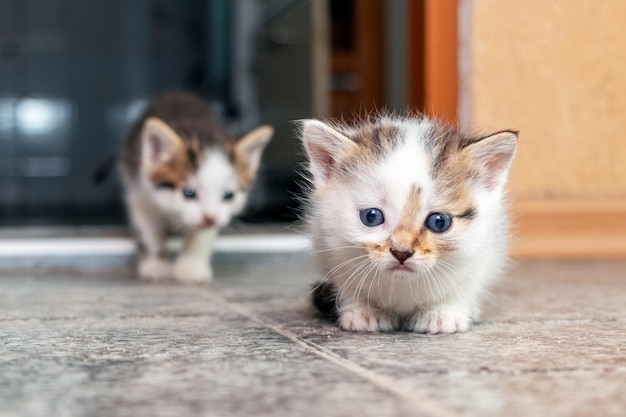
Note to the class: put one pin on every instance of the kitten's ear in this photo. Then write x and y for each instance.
(249, 149)
(325, 147)
(493, 155)
(159, 142)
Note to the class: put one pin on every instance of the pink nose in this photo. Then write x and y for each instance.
(401, 255)
(208, 220)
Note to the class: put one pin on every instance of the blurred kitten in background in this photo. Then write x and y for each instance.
(183, 172)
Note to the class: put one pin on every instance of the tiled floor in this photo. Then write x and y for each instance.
(98, 342)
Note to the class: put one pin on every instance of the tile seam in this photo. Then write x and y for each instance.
(484, 323)
(422, 403)
(553, 321)
(123, 317)
(499, 372)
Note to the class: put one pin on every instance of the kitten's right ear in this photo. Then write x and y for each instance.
(493, 155)
(159, 142)
(325, 148)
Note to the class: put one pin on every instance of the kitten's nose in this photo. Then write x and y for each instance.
(401, 255)
(208, 220)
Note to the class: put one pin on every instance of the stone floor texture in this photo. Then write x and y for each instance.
(97, 342)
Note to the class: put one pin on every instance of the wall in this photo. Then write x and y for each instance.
(555, 70)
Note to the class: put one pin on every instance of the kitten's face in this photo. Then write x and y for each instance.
(199, 187)
(208, 197)
(406, 194)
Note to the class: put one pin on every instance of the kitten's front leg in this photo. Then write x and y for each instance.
(361, 318)
(149, 229)
(443, 319)
(192, 265)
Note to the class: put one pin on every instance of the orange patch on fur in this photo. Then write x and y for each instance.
(244, 177)
(411, 235)
(174, 170)
(405, 237)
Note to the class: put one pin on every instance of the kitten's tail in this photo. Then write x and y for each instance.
(103, 170)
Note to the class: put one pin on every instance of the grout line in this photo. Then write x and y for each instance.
(562, 321)
(386, 383)
(87, 318)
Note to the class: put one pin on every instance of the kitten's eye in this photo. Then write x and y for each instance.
(438, 222)
(166, 184)
(229, 195)
(189, 193)
(371, 217)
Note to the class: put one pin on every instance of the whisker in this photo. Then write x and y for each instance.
(349, 280)
(336, 268)
(380, 272)
(450, 280)
(426, 283)
(413, 293)
(336, 248)
(363, 278)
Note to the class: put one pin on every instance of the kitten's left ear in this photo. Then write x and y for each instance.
(249, 149)
(159, 143)
(325, 147)
(493, 155)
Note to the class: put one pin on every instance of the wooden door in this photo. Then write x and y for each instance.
(357, 57)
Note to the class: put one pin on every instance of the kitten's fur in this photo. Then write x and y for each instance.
(400, 275)
(177, 146)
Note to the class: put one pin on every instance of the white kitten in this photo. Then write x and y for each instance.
(409, 221)
(183, 172)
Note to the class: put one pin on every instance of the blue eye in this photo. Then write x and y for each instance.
(371, 217)
(189, 193)
(228, 195)
(438, 222)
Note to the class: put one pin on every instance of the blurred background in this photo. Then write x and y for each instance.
(74, 74)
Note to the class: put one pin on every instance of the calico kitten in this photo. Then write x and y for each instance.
(408, 220)
(182, 171)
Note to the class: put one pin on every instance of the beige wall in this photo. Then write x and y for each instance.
(556, 71)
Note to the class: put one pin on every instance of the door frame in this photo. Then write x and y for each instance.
(433, 58)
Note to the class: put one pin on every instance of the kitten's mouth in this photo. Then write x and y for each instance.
(402, 268)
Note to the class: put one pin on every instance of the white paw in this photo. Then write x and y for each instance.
(154, 269)
(443, 320)
(362, 319)
(193, 270)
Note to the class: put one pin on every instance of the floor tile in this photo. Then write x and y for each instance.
(549, 324)
(559, 290)
(99, 342)
(59, 296)
(574, 393)
(139, 360)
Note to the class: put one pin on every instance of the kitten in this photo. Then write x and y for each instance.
(408, 220)
(182, 171)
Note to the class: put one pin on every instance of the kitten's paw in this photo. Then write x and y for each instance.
(362, 319)
(192, 270)
(443, 320)
(154, 269)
